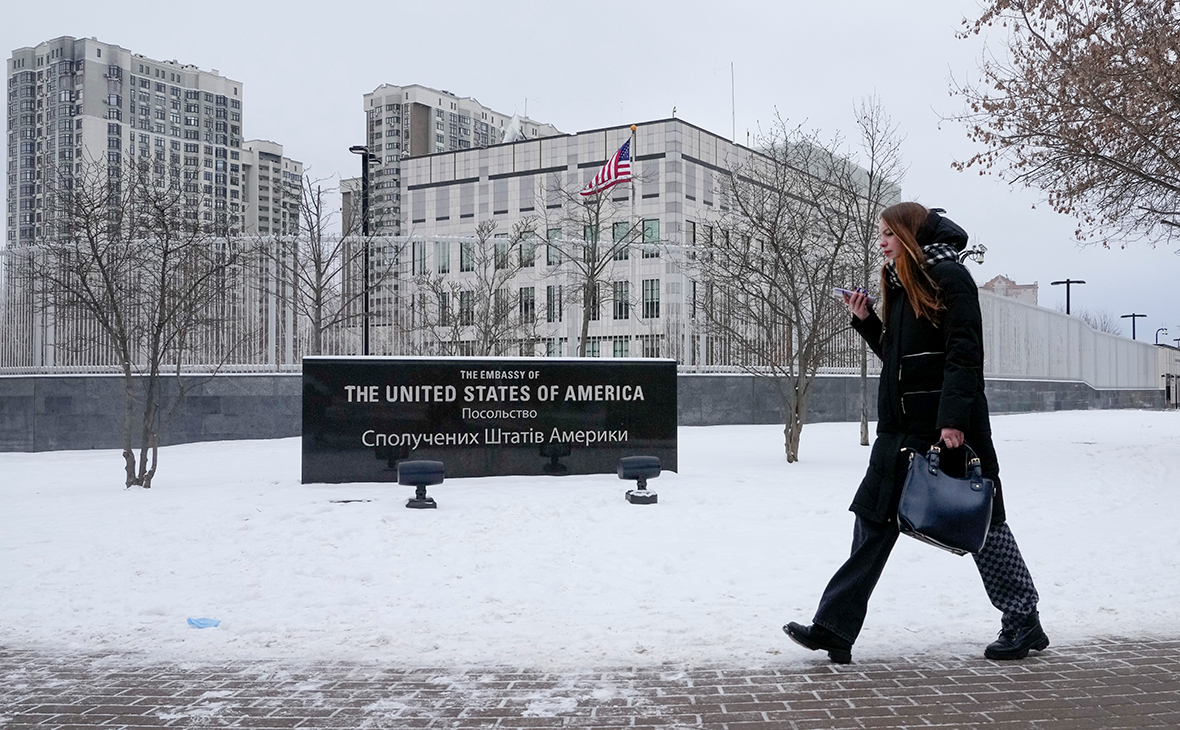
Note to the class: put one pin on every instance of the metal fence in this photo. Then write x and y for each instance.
(264, 323)
(266, 320)
(246, 324)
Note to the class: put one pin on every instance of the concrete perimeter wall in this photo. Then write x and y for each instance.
(708, 400)
(56, 412)
(1022, 341)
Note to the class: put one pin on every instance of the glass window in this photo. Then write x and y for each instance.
(552, 253)
(466, 308)
(650, 344)
(442, 255)
(500, 305)
(620, 296)
(528, 252)
(467, 256)
(501, 250)
(619, 235)
(651, 237)
(418, 258)
(622, 347)
(553, 304)
(651, 298)
(528, 304)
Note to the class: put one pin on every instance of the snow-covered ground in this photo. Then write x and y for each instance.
(562, 572)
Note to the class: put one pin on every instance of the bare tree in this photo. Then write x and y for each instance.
(1100, 320)
(770, 262)
(593, 235)
(478, 310)
(1084, 107)
(132, 263)
(864, 191)
(327, 269)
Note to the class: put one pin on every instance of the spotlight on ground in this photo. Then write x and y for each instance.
(640, 469)
(420, 474)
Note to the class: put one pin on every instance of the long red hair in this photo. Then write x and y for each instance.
(904, 219)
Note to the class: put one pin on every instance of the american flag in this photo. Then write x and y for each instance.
(616, 170)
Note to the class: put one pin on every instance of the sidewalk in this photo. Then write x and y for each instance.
(1109, 683)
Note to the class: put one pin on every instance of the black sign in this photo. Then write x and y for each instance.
(484, 416)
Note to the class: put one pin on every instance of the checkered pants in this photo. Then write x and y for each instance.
(845, 601)
(1005, 576)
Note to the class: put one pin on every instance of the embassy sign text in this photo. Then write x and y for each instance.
(484, 417)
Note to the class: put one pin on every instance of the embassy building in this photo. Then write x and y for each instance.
(646, 300)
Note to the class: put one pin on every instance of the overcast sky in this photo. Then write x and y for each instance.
(305, 68)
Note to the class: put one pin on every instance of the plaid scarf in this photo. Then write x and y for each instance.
(935, 252)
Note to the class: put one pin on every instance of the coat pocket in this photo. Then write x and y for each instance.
(921, 406)
(921, 371)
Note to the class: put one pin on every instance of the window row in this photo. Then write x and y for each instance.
(462, 310)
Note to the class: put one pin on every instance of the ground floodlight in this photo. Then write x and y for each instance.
(420, 473)
(640, 469)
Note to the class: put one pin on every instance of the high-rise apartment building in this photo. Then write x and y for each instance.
(271, 186)
(76, 102)
(411, 121)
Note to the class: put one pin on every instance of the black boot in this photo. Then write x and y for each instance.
(1016, 641)
(817, 637)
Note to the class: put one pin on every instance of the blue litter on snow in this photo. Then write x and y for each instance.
(204, 623)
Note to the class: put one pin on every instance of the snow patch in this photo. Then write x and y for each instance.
(550, 707)
(562, 572)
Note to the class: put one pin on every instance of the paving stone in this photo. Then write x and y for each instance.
(1107, 683)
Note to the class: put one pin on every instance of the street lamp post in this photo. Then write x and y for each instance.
(1133, 317)
(1067, 283)
(975, 254)
(1157, 334)
(367, 158)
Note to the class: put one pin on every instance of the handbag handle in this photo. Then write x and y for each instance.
(974, 465)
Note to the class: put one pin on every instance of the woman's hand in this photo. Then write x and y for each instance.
(857, 303)
(952, 437)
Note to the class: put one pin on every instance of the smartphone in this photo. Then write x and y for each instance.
(839, 294)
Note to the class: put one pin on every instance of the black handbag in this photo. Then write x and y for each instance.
(948, 512)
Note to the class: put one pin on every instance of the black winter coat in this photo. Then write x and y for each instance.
(931, 378)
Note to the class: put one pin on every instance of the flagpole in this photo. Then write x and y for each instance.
(634, 218)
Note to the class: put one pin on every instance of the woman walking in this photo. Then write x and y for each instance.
(931, 389)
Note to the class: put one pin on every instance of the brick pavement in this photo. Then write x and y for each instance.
(1108, 683)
